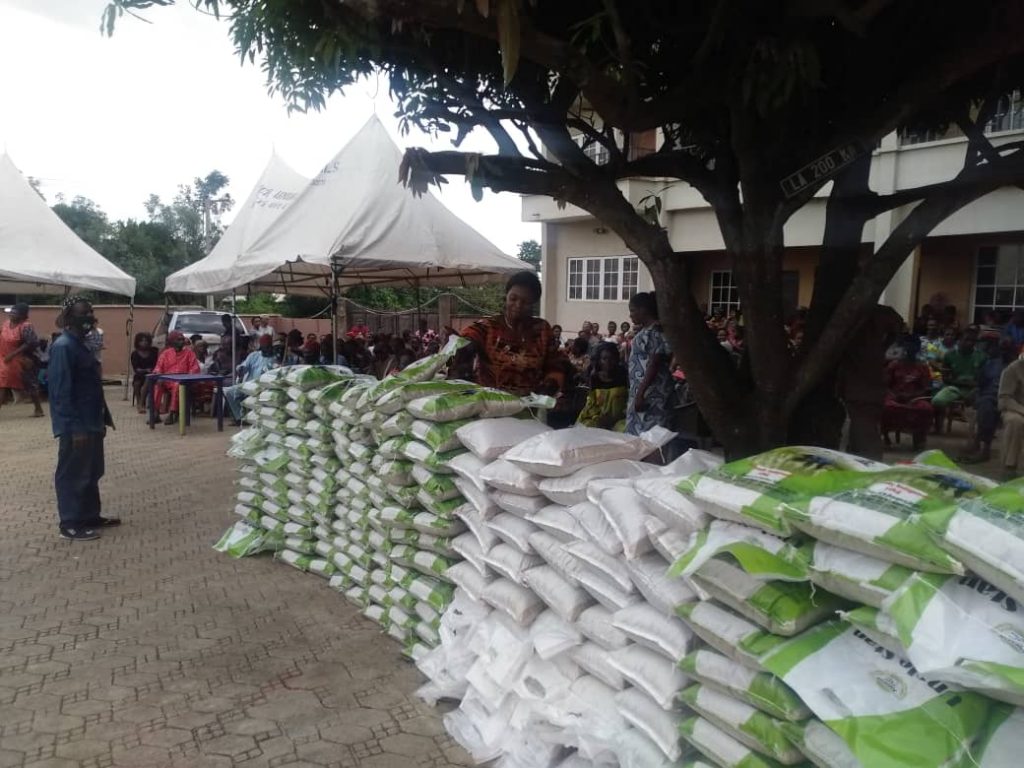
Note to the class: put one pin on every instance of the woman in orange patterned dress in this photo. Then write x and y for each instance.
(513, 350)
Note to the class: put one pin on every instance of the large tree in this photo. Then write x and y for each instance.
(761, 103)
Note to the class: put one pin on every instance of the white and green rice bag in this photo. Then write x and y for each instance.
(721, 748)
(438, 487)
(887, 712)
(821, 745)
(396, 425)
(961, 630)
(322, 567)
(294, 559)
(1002, 743)
(781, 607)
(301, 545)
(755, 490)
(881, 514)
(440, 436)
(736, 637)
(857, 577)
(759, 689)
(422, 453)
(986, 534)
(759, 554)
(748, 725)
(243, 539)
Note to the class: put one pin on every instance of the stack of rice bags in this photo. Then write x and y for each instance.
(583, 613)
(803, 535)
(395, 500)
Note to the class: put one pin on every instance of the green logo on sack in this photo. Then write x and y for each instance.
(1012, 635)
(890, 683)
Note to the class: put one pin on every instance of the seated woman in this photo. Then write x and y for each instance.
(513, 350)
(176, 358)
(144, 357)
(609, 391)
(908, 405)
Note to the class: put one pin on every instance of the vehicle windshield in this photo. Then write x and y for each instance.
(205, 323)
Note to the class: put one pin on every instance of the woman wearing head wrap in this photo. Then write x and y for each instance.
(18, 362)
(176, 358)
(650, 378)
(908, 405)
(513, 350)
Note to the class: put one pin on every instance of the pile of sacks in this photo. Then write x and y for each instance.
(347, 477)
(562, 643)
(280, 453)
(799, 607)
(848, 598)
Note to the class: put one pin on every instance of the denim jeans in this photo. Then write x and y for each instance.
(77, 480)
(234, 396)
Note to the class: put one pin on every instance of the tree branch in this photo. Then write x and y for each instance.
(970, 184)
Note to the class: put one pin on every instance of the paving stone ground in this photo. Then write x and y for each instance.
(148, 649)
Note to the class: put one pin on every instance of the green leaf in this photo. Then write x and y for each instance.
(508, 37)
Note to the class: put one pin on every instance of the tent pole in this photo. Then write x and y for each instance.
(416, 287)
(335, 275)
(128, 326)
(234, 342)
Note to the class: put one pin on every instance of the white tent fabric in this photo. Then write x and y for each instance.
(39, 253)
(381, 234)
(278, 186)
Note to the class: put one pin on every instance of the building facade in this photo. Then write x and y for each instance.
(974, 260)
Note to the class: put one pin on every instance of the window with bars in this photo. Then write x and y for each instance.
(999, 281)
(724, 294)
(603, 278)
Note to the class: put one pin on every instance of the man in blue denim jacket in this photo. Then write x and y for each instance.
(80, 419)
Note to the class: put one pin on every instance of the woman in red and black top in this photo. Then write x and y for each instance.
(513, 350)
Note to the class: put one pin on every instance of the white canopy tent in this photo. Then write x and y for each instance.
(355, 224)
(39, 253)
(278, 186)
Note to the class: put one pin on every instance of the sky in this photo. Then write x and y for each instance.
(115, 119)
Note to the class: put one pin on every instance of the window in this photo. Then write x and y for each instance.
(999, 281)
(608, 278)
(724, 294)
(595, 151)
(575, 279)
(1009, 115)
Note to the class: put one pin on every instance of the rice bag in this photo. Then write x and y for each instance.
(487, 439)
(597, 662)
(663, 500)
(557, 521)
(646, 625)
(759, 689)
(747, 725)
(866, 695)
(752, 491)
(821, 745)
(514, 600)
(849, 574)
(506, 476)
(760, 554)
(986, 534)
(962, 630)
(664, 593)
(736, 637)
(572, 489)
(781, 607)
(561, 452)
(644, 714)
(880, 514)
(558, 594)
(649, 671)
(722, 748)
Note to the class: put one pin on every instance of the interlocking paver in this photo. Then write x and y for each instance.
(148, 649)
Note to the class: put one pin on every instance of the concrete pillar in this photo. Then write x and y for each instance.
(549, 274)
(900, 294)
